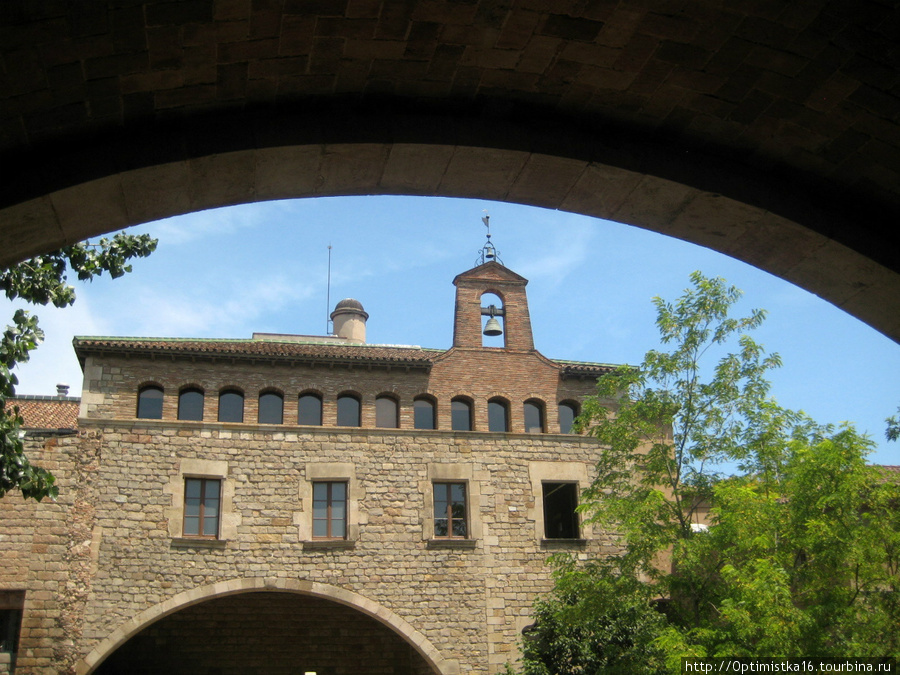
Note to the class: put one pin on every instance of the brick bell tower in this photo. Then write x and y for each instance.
(511, 316)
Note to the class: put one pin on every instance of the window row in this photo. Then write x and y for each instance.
(330, 508)
(349, 410)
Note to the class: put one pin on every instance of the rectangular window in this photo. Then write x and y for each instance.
(202, 500)
(11, 605)
(560, 516)
(329, 510)
(450, 510)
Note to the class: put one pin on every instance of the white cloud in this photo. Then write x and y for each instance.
(218, 307)
(559, 254)
(190, 227)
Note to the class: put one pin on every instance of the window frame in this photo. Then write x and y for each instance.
(320, 472)
(447, 487)
(569, 405)
(201, 515)
(269, 394)
(186, 391)
(352, 396)
(12, 610)
(541, 472)
(230, 391)
(432, 404)
(229, 519)
(494, 403)
(541, 409)
(380, 400)
(314, 395)
(329, 501)
(470, 410)
(140, 400)
(553, 486)
(452, 473)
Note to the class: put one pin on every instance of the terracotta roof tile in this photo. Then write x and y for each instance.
(330, 351)
(261, 349)
(47, 412)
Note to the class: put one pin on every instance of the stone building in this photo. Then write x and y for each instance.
(296, 504)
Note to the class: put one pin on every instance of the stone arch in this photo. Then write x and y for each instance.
(220, 589)
(769, 227)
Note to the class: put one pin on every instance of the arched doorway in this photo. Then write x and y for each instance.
(266, 626)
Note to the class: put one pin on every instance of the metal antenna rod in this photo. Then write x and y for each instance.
(328, 296)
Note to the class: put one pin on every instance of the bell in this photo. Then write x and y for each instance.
(492, 327)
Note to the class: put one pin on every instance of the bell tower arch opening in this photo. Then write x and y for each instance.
(493, 329)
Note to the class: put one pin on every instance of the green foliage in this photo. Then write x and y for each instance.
(892, 433)
(595, 621)
(802, 553)
(42, 281)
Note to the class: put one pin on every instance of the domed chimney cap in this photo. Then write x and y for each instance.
(349, 304)
(349, 319)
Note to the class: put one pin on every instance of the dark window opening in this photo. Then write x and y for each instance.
(309, 410)
(423, 414)
(348, 411)
(11, 606)
(150, 403)
(560, 515)
(498, 416)
(450, 510)
(386, 413)
(202, 498)
(190, 405)
(567, 414)
(534, 417)
(271, 408)
(231, 406)
(330, 510)
(460, 415)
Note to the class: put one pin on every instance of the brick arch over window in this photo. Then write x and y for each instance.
(220, 589)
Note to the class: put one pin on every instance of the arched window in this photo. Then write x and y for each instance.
(423, 413)
(231, 406)
(271, 408)
(150, 401)
(460, 415)
(190, 404)
(498, 415)
(386, 412)
(348, 411)
(309, 410)
(534, 416)
(568, 411)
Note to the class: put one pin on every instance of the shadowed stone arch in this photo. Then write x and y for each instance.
(236, 586)
(752, 233)
(767, 131)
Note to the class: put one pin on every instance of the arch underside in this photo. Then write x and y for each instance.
(766, 131)
(266, 625)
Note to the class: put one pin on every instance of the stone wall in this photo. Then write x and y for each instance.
(110, 576)
(111, 388)
(105, 552)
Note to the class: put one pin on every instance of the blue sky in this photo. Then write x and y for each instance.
(263, 267)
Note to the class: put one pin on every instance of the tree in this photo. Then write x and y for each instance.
(892, 433)
(799, 552)
(42, 281)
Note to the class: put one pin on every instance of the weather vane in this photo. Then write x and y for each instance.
(487, 252)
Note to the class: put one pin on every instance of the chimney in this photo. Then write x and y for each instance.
(349, 319)
(62, 390)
